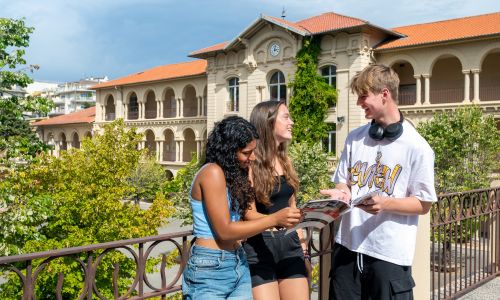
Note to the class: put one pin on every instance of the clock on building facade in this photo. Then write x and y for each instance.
(274, 49)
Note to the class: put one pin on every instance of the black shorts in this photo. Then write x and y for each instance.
(358, 276)
(275, 256)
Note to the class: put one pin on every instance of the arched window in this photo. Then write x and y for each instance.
(277, 86)
(330, 75)
(233, 102)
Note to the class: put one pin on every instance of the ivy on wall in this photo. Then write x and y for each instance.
(312, 96)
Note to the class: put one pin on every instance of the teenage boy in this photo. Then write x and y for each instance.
(375, 244)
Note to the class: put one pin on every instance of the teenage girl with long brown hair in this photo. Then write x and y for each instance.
(276, 260)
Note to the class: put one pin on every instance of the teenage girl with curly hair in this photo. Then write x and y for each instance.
(220, 194)
(277, 261)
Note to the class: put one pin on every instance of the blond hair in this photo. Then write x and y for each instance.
(375, 78)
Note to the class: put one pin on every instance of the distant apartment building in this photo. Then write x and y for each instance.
(73, 96)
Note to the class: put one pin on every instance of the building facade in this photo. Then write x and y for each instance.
(73, 96)
(442, 66)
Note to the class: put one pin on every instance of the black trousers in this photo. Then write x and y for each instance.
(357, 276)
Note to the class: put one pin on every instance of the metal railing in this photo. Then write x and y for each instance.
(150, 114)
(28, 267)
(90, 257)
(465, 242)
(110, 116)
(451, 95)
(407, 98)
(489, 93)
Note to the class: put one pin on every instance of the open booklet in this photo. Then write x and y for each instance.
(321, 212)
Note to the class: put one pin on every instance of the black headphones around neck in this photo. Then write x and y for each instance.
(391, 132)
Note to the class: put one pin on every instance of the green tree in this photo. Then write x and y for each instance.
(466, 144)
(312, 96)
(178, 190)
(311, 164)
(77, 200)
(147, 178)
(17, 140)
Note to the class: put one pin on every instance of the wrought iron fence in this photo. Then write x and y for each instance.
(162, 284)
(465, 242)
(28, 267)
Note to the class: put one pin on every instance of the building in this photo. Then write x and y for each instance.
(442, 65)
(73, 96)
(66, 131)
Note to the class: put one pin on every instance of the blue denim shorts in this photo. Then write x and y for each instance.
(216, 274)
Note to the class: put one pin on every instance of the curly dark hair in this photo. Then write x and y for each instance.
(226, 138)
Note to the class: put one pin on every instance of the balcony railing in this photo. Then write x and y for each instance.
(133, 115)
(407, 98)
(489, 93)
(110, 116)
(452, 95)
(190, 112)
(169, 112)
(169, 156)
(150, 114)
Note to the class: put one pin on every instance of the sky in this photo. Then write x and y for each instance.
(74, 39)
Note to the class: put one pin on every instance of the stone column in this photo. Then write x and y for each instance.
(161, 103)
(141, 110)
(476, 72)
(158, 101)
(160, 150)
(181, 150)
(466, 86)
(181, 107)
(177, 147)
(198, 149)
(418, 84)
(103, 112)
(57, 148)
(178, 108)
(125, 111)
(427, 89)
(198, 106)
(202, 106)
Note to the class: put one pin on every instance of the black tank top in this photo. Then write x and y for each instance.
(279, 197)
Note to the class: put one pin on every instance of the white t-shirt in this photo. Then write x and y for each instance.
(401, 168)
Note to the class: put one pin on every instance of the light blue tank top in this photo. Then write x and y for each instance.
(201, 224)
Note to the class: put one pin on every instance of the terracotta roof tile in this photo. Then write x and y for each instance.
(447, 30)
(212, 48)
(323, 23)
(81, 116)
(328, 22)
(191, 68)
(289, 24)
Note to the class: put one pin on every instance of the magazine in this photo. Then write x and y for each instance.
(321, 212)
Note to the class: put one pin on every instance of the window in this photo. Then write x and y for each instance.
(277, 87)
(232, 104)
(330, 141)
(330, 75)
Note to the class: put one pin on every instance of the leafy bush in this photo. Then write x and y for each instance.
(310, 163)
(466, 144)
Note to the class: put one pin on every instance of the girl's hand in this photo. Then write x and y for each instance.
(287, 217)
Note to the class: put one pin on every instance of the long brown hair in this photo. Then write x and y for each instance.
(263, 117)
